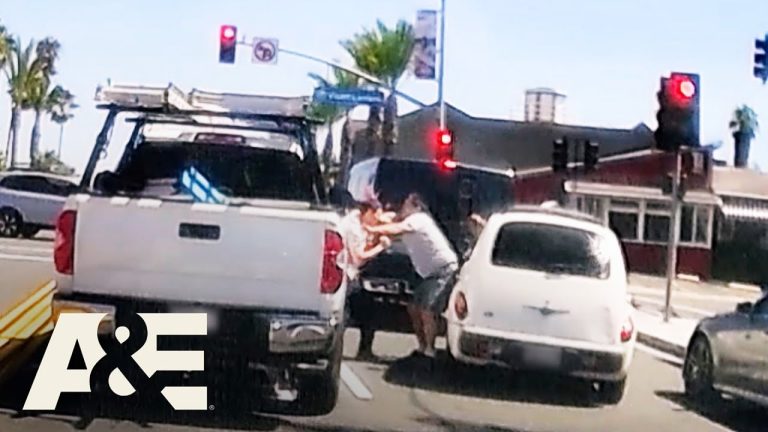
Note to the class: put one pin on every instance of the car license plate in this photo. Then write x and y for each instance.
(388, 286)
(212, 315)
(542, 356)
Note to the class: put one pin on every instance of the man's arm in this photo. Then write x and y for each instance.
(390, 229)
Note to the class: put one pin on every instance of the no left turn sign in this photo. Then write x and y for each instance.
(264, 50)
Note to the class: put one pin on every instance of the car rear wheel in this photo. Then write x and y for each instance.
(28, 231)
(698, 371)
(611, 392)
(10, 222)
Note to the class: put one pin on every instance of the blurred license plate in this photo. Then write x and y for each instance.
(211, 314)
(388, 286)
(542, 356)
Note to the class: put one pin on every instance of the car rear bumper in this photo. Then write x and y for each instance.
(261, 335)
(610, 363)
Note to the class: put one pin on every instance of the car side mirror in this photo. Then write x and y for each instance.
(744, 308)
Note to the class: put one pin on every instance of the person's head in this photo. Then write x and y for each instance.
(368, 212)
(413, 203)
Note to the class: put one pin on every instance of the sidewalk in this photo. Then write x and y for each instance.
(668, 337)
(716, 287)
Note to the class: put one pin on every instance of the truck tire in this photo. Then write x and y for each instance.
(318, 393)
(611, 392)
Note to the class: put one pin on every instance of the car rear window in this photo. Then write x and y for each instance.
(552, 249)
(236, 171)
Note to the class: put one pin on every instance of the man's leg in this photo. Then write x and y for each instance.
(418, 328)
(429, 324)
(367, 329)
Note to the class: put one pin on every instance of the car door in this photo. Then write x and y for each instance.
(32, 197)
(757, 344)
(740, 345)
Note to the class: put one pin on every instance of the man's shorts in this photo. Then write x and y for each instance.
(433, 292)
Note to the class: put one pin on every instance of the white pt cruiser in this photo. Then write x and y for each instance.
(545, 289)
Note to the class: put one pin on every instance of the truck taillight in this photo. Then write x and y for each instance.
(460, 306)
(627, 329)
(64, 244)
(332, 275)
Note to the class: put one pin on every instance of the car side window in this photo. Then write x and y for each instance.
(25, 183)
(761, 307)
(60, 187)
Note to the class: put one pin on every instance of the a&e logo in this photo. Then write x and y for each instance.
(129, 360)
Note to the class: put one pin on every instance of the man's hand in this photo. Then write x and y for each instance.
(385, 242)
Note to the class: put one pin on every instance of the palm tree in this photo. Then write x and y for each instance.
(21, 80)
(6, 46)
(329, 114)
(61, 106)
(40, 99)
(743, 126)
(384, 53)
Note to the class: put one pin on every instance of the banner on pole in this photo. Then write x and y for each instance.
(424, 55)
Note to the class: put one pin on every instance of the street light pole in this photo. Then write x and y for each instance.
(440, 97)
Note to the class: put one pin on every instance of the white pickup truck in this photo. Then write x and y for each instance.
(262, 263)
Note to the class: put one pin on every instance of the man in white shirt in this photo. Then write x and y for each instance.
(433, 259)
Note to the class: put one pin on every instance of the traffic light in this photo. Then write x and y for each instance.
(560, 155)
(761, 62)
(591, 150)
(678, 114)
(444, 151)
(227, 44)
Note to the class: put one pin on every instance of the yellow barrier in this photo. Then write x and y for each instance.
(28, 318)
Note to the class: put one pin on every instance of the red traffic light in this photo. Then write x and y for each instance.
(444, 137)
(228, 32)
(681, 89)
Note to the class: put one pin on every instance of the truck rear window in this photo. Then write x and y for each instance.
(235, 171)
(551, 249)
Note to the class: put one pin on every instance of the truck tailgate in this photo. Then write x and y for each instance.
(245, 256)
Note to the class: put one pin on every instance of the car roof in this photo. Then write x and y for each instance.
(555, 216)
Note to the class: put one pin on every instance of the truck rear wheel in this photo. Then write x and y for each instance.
(319, 393)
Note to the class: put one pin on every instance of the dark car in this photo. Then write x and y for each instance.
(452, 196)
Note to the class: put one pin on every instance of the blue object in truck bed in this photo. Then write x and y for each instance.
(194, 183)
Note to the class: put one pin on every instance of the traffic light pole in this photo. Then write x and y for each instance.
(351, 70)
(674, 234)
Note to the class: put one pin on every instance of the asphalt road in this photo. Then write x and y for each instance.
(24, 265)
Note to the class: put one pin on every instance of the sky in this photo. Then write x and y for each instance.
(606, 56)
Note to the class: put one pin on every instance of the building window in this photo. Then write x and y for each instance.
(624, 218)
(656, 221)
(648, 220)
(694, 224)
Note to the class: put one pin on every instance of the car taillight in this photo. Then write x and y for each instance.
(627, 329)
(332, 273)
(64, 243)
(460, 306)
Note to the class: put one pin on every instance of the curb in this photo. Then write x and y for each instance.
(660, 344)
(753, 289)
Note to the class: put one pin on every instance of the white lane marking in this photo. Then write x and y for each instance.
(689, 295)
(25, 248)
(354, 384)
(25, 258)
(659, 354)
(675, 307)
